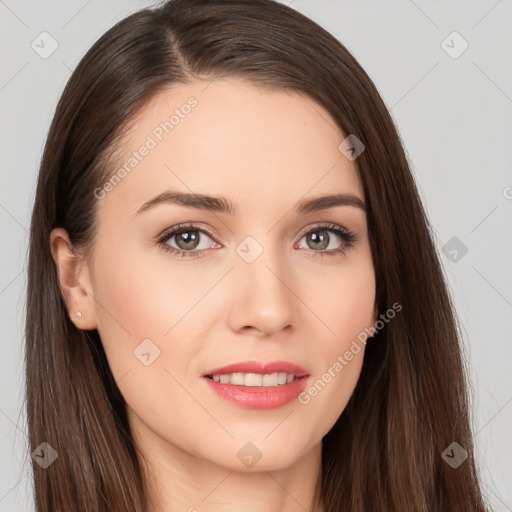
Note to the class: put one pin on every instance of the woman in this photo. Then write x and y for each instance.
(306, 355)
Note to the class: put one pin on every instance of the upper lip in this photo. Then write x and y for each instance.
(259, 367)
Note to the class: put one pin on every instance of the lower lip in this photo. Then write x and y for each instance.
(259, 397)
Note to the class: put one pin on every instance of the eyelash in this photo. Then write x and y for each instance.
(347, 236)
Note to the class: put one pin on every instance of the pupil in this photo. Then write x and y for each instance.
(188, 239)
(323, 239)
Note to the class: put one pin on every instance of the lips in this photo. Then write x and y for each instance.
(258, 395)
(259, 367)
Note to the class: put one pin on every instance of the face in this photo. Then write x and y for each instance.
(269, 283)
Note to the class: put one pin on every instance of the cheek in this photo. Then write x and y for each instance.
(347, 309)
(132, 305)
(147, 313)
(352, 316)
(144, 340)
(344, 301)
(328, 393)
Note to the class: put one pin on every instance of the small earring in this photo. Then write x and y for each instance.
(79, 314)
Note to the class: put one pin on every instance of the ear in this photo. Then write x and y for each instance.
(74, 281)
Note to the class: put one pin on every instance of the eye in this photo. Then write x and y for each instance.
(187, 239)
(320, 241)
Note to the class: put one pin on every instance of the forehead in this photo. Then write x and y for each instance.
(231, 138)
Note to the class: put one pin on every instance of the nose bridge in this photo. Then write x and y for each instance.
(263, 297)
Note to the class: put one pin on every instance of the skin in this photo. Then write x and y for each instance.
(264, 150)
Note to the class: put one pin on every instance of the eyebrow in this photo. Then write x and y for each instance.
(223, 205)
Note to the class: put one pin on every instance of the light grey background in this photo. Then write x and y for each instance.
(453, 114)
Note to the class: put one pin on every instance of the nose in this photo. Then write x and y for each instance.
(262, 300)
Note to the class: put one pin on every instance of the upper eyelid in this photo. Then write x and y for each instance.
(170, 232)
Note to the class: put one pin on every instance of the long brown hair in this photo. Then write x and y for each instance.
(411, 401)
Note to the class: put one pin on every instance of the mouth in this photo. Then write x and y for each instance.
(255, 368)
(255, 379)
(258, 385)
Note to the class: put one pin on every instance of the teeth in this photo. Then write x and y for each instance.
(255, 379)
(236, 378)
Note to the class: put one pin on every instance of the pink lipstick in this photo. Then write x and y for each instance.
(256, 384)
